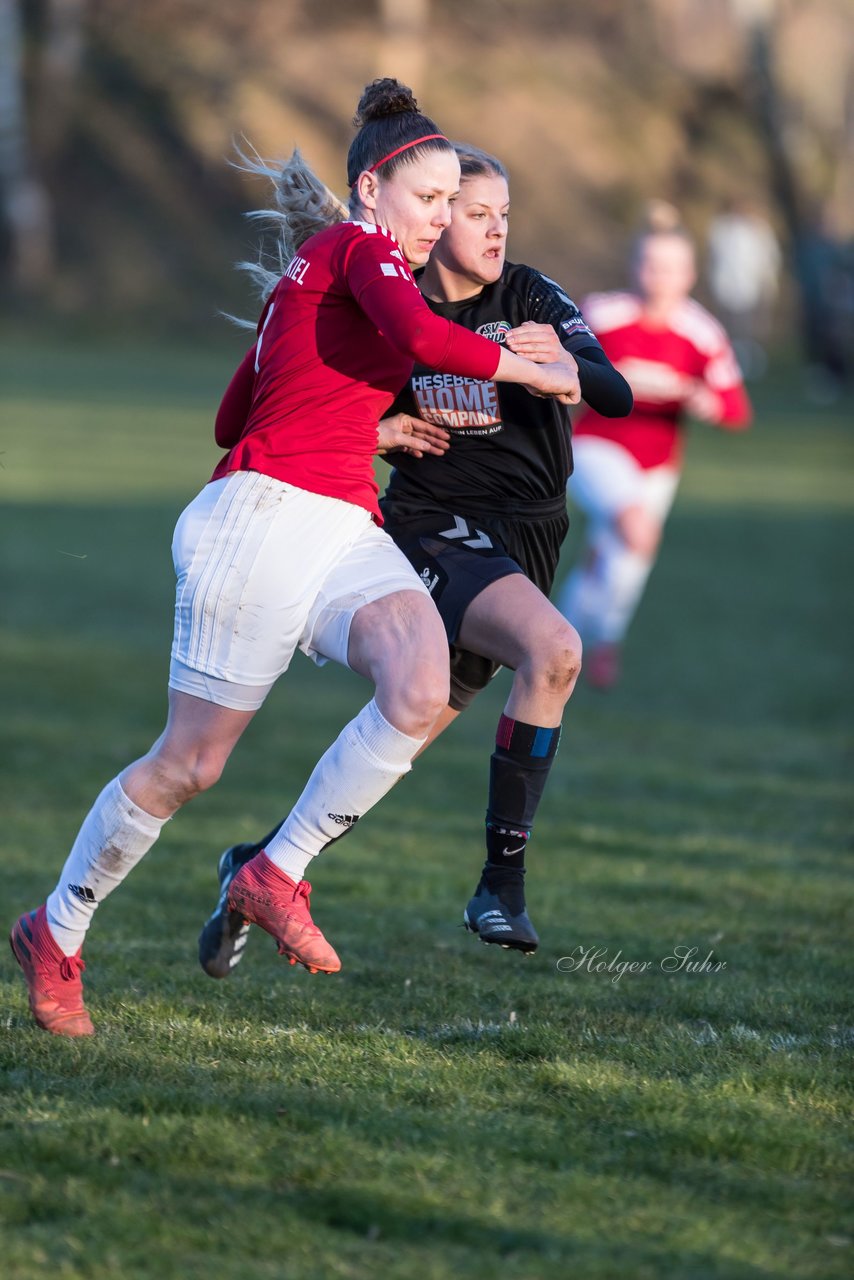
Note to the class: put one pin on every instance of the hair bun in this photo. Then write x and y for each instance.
(661, 217)
(382, 98)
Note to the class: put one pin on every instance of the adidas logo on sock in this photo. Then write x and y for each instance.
(344, 819)
(84, 893)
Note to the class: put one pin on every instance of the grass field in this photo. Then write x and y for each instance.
(440, 1108)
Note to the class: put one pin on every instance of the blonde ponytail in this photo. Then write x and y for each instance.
(303, 205)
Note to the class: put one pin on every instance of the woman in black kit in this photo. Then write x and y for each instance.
(481, 514)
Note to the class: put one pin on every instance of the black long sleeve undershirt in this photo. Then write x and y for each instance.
(602, 387)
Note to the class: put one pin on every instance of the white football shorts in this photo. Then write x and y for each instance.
(263, 568)
(607, 479)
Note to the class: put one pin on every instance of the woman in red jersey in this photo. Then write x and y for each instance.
(482, 524)
(283, 549)
(679, 363)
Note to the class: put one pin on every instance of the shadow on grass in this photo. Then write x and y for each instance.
(596, 1158)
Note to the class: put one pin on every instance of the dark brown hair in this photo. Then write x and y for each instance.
(387, 117)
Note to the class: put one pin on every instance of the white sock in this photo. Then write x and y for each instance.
(114, 836)
(363, 763)
(601, 595)
(581, 600)
(624, 575)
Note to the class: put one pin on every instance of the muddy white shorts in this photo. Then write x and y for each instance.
(607, 479)
(264, 568)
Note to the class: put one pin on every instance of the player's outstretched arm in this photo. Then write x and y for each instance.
(556, 378)
(602, 387)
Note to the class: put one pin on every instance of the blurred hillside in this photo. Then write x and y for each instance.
(129, 114)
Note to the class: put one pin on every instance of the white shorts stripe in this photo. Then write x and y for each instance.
(207, 599)
(241, 535)
(264, 568)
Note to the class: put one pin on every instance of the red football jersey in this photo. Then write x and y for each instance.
(664, 366)
(336, 341)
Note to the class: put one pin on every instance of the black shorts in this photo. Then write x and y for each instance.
(456, 556)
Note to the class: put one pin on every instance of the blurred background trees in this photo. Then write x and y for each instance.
(117, 123)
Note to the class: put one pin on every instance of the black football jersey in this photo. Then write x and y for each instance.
(509, 448)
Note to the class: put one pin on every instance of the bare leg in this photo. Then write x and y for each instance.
(127, 817)
(399, 643)
(446, 717)
(187, 758)
(513, 623)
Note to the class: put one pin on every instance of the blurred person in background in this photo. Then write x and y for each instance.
(481, 518)
(826, 274)
(679, 363)
(283, 548)
(743, 274)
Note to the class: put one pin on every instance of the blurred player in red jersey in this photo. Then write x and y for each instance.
(282, 548)
(482, 524)
(679, 363)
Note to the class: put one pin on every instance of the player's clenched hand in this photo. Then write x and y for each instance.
(558, 379)
(535, 341)
(411, 435)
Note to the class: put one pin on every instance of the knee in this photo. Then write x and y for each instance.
(406, 654)
(182, 779)
(562, 663)
(419, 699)
(412, 695)
(555, 665)
(206, 770)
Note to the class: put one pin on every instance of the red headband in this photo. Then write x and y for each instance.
(415, 142)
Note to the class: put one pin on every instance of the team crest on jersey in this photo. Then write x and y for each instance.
(496, 330)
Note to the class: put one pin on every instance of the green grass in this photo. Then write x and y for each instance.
(439, 1108)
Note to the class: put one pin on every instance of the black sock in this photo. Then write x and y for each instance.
(518, 773)
(507, 885)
